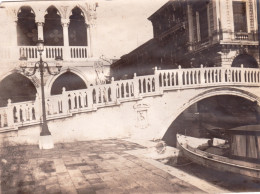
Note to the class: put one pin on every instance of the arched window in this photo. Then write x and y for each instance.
(77, 28)
(70, 81)
(246, 60)
(27, 34)
(52, 29)
(16, 87)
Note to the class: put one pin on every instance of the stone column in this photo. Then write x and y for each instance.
(89, 41)
(208, 17)
(40, 30)
(66, 49)
(198, 25)
(190, 24)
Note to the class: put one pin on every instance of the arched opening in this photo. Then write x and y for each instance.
(16, 87)
(246, 60)
(212, 116)
(70, 81)
(52, 29)
(77, 28)
(27, 34)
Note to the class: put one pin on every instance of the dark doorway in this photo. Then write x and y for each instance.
(52, 29)
(77, 28)
(70, 81)
(27, 34)
(18, 88)
(246, 60)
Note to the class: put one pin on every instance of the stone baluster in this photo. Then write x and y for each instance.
(223, 74)
(180, 76)
(65, 101)
(10, 114)
(23, 107)
(156, 80)
(37, 108)
(136, 86)
(202, 74)
(113, 90)
(89, 97)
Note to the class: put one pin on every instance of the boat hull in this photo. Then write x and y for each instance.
(218, 162)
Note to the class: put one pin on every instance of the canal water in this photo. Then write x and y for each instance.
(226, 180)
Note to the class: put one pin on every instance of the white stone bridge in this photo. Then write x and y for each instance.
(142, 107)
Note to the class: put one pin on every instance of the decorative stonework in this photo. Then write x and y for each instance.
(92, 14)
(142, 121)
(99, 69)
(251, 15)
(64, 10)
(12, 13)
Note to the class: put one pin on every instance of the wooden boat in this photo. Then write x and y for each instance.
(213, 130)
(217, 162)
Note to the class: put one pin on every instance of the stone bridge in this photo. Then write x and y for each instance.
(142, 107)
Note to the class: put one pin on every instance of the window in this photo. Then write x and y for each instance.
(240, 21)
(203, 20)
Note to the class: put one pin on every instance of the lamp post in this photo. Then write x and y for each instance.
(45, 141)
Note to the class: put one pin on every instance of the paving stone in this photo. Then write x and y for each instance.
(53, 188)
(86, 191)
(59, 166)
(99, 166)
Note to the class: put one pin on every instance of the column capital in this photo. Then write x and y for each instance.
(65, 22)
(39, 19)
(40, 23)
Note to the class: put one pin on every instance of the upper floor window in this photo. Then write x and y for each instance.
(52, 29)
(77, 28)
(203, 23)
(27, 34)
(240, 20)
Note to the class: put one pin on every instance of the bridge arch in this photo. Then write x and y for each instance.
(203, 95)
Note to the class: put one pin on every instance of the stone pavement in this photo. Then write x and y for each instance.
(101, 166)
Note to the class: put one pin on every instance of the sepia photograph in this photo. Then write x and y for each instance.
(129, 96)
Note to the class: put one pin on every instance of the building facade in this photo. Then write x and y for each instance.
(68, 31)
(191, 33)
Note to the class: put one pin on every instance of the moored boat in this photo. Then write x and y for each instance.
(251, 169)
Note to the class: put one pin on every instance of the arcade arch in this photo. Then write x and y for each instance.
(18, 88)
(52, 29)
(27, 33)
(69, 80)
(246, 60)
(77, 28)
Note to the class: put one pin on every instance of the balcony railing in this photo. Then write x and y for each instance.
(50, 52)
(241, 36)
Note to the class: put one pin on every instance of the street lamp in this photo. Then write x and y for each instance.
(45, 141)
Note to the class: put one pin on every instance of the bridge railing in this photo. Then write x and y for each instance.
(98, 96)
(207, 77)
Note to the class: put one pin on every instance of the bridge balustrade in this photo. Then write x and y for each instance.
(98, 96)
